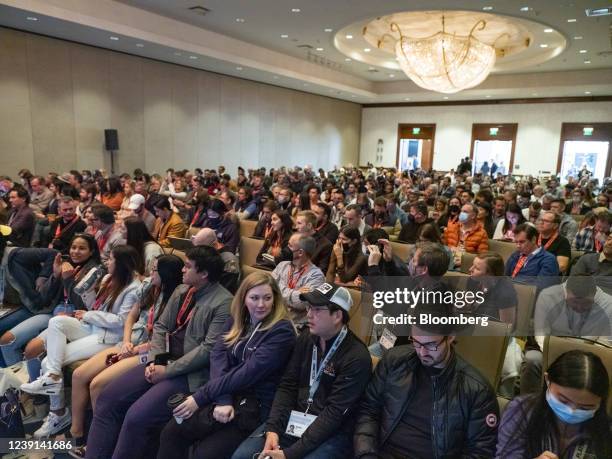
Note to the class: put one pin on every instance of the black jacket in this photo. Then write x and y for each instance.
(322, 253)
(330, 231)
(464, 414)
(342, 384)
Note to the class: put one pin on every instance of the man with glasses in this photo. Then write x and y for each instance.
(425, 401)
(593, 237)
(298, 276)
(552, 241)
(316, 400)
(108, 235)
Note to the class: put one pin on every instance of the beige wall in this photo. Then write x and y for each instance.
(57, 97)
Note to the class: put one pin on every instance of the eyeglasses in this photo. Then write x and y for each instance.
(432, 347)
(316, 309)
(544, 221)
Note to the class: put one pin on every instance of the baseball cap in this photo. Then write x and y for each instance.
(136, 200)
(5, 230)
(326, 293)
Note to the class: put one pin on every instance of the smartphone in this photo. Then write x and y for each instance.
(66, 258)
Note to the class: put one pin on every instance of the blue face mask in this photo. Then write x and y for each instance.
(463, 217)
(567, 414)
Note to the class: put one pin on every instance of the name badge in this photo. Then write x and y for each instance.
(388, 339)
(142, 358)
(298, 423)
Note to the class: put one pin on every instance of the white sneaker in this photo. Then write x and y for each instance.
(54, 424)
(44, 384)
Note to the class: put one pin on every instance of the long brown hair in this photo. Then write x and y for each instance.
(126, 263)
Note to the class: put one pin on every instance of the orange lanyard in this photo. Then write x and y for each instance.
(550, 241)
(59, 231)
(293, 282)
(519, 265)
(180, 317)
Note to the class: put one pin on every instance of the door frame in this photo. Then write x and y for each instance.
(507, 131)
(428, 132)
(573, 131)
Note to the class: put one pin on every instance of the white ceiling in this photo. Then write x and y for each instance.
(244, 38)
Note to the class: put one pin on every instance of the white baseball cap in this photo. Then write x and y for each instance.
(136, 201)
(326, 293)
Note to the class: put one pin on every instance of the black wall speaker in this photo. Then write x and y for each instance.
(111, 140)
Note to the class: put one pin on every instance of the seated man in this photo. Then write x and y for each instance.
(230, 278)
(592, 238)
(417, 218)
(21, 218)
(66, 226)
(425, 401)
(137, 207)
(576, 308)
(325, 226)
(325, 378)
(298, 276)
(225, 228)
(108, 235)
(380, 216)
(168, 224)
(598, 265)
(552, 241)
(305, 224)
(468, 235)
(131, 407)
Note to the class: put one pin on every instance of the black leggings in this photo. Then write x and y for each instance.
(212, 439)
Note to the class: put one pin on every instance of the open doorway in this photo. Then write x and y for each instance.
(415, 146)
(585, 150)
(492, 149)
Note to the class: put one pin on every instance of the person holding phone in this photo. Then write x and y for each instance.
(69, 339)
(246, 366)
(45, 280)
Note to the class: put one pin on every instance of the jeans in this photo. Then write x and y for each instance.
(531, 372)
(127, 414)
(24, 267)
(339, 446)
(24, 326)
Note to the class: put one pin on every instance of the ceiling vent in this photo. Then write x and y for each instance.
(598, 11)
(200, 10)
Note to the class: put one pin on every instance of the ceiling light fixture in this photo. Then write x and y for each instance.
(295, 10)
(193, 57)
(587, 62)
(543, 45)
(240, 20)
(239, 68)
(284, 35)
(114, 38)
(328, 30)
(583, 51)
(319, 49)
(578, 37)
(571, 20)
(139, 45)
(445, 97)
(548, 30)
(587, 92)
(348, 59)
(366, 50)
(525, 9)
(391, 75)
(349, 37)
(444, 62)
(176, 53)
(407, 99)
(488, 96)
(32, 18)
(487, 8)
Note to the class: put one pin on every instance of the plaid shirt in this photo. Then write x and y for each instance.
(585, 240)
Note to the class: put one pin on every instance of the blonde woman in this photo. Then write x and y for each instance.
(245, 368)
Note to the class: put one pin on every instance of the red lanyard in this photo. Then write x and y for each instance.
(151, 313)
(59, 231)
(104, 239)
(195, 217)
(181, 320)
(597, 243)
(519, 265)
(293, 282)
(550, 241)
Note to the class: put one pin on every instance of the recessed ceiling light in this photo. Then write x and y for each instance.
(488, 96)
(487, 8)
(407, 98)
(240, 20)
(139, 45)
(328, 30)
(548, 30)
(578, 37)
(319, 49)
(391, 75)
(587, 92)
(114, 38)
(445, 97)
(284, 35)
(238, 68)
(349, 37)
(571, 20)
(587, 62)
(525, 8)
(32, 18)
(295, 10)
(348, 59)
(176, 53)
(193, 57)
(366, 50)
(583, 51)
(543, 45)
(534, 93)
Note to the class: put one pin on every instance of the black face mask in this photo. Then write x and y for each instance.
(454, 209)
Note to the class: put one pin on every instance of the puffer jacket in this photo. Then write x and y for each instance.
(464, 414)
(476, 241)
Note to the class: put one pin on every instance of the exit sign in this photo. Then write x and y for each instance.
(416, 131)
(493, 131)
(587, 131)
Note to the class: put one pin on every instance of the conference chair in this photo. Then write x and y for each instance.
(402, 250)
(505, 249)
(247, 227)
(526, 296)
(466, 261)
(249, 248)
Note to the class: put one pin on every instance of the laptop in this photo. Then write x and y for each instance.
(179, 243)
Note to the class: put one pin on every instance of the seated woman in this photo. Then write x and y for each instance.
(347, 261)
(70, 282)
(89, 379)
(69, 339)
(485, 217)
(111, 193)
(245, 207)
(264, 225)
(500, 299)
(566, 419)
(439, 209)
(275, 244)
(245, 368)
(505, 228)
(128, 192)
(147, 248)
(451, 217)
(197, 211)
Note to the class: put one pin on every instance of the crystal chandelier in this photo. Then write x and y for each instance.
(444, 62)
